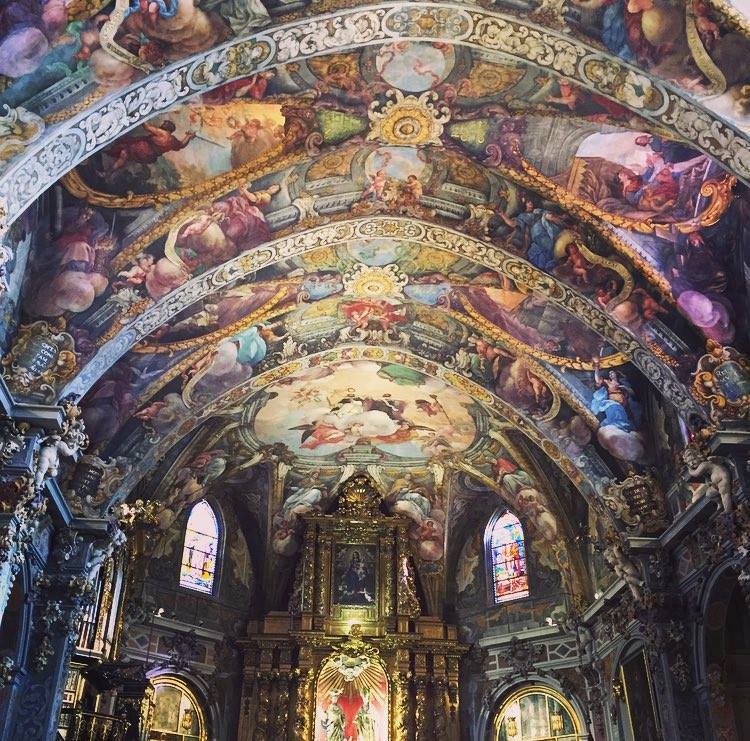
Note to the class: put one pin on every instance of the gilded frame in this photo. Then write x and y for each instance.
(541, 689)
(344, 613)
(172, 681)
(642, 656)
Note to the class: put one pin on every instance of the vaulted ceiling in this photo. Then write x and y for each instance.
(451, 243)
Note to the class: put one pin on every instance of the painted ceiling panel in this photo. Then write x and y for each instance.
(398, 239)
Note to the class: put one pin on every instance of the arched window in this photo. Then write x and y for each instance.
(506, 558)
(538, 713)
(201, 549)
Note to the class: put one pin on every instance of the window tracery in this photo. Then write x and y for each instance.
(505, 549)
(201, 549)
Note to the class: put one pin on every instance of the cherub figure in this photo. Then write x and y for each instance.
(136, 275)
(68, 443)
(624, 568)
(719, 477)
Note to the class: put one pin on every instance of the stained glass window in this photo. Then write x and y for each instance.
(507, 558)
(201, 548)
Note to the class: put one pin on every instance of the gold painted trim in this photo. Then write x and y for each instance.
(76, 186)
(220, 185)
(172, 681)
(540, 689)
(720, 193)
(609, 361)
(701, 57)
(185, 363)
(730, 16)
(220, 334)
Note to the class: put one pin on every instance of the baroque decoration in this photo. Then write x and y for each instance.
(374, 373)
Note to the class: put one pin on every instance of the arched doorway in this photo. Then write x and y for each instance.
(178, 714)
(728, 658)
(537, 713)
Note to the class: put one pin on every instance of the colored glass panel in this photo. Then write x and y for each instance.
(508, 559)
(201, 547)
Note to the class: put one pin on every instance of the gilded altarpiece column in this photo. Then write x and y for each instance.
(359, 662)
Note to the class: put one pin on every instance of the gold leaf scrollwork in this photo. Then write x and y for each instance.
(359, 496)
(408, 119)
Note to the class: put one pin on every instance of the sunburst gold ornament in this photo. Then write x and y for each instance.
(375, 281)
(408, 119)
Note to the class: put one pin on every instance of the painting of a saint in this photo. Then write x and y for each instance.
(354, 575)
(351, 701)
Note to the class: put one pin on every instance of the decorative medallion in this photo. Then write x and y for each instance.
(408, 119)
(42, 359)
(638, 503)
(375, 281)
(18, 129)
(722, 380)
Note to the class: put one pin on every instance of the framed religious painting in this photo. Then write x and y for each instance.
(635, 676)
(354, 586)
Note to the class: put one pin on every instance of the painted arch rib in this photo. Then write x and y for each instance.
(494, 33)
(587, 472)
(411, 230)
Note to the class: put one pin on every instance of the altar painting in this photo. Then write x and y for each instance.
(354, 575)
(351, 702)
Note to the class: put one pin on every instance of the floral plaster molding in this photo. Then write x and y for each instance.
(496, 34)
(408, 229)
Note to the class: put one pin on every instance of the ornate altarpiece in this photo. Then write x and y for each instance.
(354, 651)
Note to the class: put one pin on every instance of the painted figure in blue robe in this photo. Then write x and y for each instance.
(535, 232)
(154, 8)
(615, 400)
(251, 347)
(615, 32)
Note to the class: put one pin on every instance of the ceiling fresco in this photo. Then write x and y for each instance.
(481, 257)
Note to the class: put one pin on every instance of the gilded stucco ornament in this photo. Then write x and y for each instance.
(359, 497)
(375, 281)
(11, 439)
(495, 34)
(94, 483)
(18, 129)
(42, 357)
(638, 503)
(721, 381)
(408, 120)
(407, 229)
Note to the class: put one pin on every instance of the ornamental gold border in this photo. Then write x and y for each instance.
(236, 398)
(411, 230)
(270, 310)
(542, 689)
(171, 680)
(218, 186)
(504, 35)
(730, 16)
